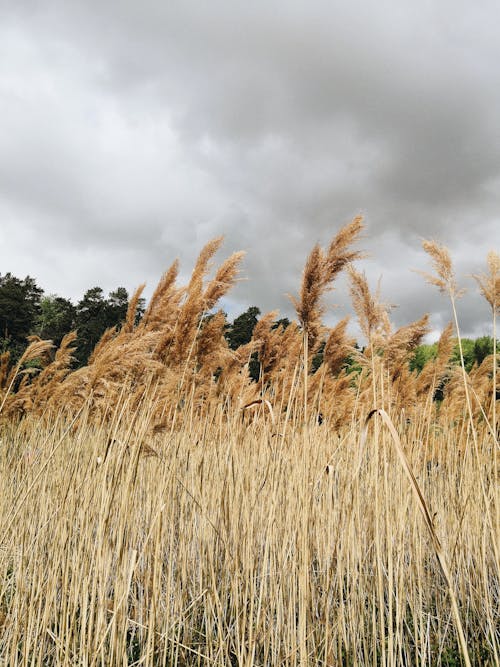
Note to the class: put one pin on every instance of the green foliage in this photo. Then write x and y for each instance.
(91, 322)
(55, 319)
(352, 364)
(317, 359)
(25, 310)
(482, 348)
(468, 353)
(282, 322)
(19, 308)
(474, 351)
(116, 306)
(241, 330)
(422, 355)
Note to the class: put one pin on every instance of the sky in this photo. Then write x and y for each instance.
(132, 133)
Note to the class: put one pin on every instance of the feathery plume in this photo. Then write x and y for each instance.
(129, 323)
(489, 284)
(191, 311)
(223, 280)
(319, 272)
(403, 342)
(37, 349)
(372, 315)
(339, 255)
(444, 277)
(153, 315)
(338, 347)
(308, 309)
(102, 344)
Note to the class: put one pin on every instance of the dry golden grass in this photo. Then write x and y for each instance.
(233, 547)
(160, 508)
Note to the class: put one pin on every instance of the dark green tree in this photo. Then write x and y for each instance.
(91, 322)
(116, 307)
(482, 348)
(19, 309)
(422, 355)
(282, 322)
(241, 330)
(318, 357)
(468, 353)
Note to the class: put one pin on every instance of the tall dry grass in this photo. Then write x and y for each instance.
(160, 508)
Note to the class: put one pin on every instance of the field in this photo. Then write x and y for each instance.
(159, 507)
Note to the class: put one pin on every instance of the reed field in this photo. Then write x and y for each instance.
(160, 507)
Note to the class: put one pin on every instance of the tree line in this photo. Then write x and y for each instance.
(26, 310)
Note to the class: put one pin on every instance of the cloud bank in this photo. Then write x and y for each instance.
(131, 135)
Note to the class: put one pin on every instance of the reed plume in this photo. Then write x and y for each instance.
(50, 378)
(444, 276)
(444, 279)
(130, 318)
(223, 280)
(320, 271)
(338, 347)
(37, 349)
(370, 312)
(189, 317)
(489, 283)
(403, 342)
(160, 305)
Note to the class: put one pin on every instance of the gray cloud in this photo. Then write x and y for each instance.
(130, 137)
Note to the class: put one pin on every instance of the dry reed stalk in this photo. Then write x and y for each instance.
(444, 279)
(288, 558)
(255, 560)
(429, 523)
(489, 285)
(446, 282)
(261, 401)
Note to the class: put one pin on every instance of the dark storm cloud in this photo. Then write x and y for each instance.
(137, 134)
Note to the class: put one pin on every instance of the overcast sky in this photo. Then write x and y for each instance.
(131, 133)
